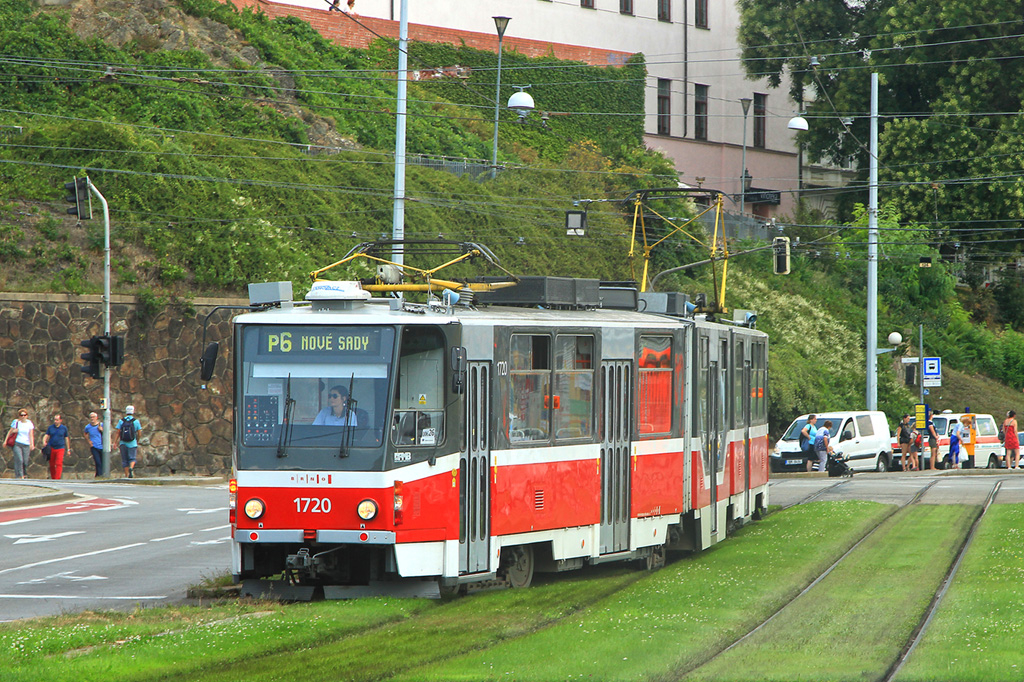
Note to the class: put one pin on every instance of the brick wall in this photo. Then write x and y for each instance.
(342, 29)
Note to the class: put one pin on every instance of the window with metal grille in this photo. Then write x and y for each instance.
(700, 13)
(760, 117)
(700, 112)
(625, 6)
(664, 106)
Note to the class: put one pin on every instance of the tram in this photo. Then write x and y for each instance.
(385, 445)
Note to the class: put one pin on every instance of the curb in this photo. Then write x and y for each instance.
(45, 496)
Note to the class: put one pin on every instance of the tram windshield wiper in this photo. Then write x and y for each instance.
(348, 430)
(285, 439)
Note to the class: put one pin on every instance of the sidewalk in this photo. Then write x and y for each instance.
(29, 493)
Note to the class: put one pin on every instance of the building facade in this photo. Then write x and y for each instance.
(695, 88)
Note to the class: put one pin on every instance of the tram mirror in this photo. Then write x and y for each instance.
(208, 362)
(458, 370)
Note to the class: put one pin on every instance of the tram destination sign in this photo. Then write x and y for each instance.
(293, 341)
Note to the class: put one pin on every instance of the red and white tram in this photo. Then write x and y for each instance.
(439, 444)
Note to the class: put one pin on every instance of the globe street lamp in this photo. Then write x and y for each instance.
(500, 23)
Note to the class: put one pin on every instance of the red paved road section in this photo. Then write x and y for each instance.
(70, 507)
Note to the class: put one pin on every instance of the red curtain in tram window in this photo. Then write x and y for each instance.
(655, 398)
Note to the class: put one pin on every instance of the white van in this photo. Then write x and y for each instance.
(862, 438)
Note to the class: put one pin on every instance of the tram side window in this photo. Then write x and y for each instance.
(418, 416)
(573, 408)
(530, 398)
(759, 407)
(739, 368)
(654, 385)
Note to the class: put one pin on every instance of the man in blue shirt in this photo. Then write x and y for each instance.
(57, 437)
(127, 433)
(94, 432)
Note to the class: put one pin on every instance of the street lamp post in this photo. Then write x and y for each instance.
(800, 123)
(743, 171)
(500, 23)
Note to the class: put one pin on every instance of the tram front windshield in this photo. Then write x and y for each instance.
(313, 398)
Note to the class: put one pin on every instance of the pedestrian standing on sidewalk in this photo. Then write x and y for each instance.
(822, 444)
(58, 438)
(933, 441)
(905, 436)
(807, 435)
(94, 434)
(127, 433)
(24, 442)
(1010, 441)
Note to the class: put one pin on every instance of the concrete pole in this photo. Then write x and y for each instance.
(106, 324)
(500, 24)
(872, 311)
(398, 212)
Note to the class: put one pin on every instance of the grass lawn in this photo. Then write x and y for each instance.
(852, 625)
(676, 618)
(977, 632)
(154, 643)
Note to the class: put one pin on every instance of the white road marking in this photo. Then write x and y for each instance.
(22, 539)
(215, 528)
(80, 597)
(193, 510)
(70, 557)
(209, 542)
(68, 575)
(171, 537)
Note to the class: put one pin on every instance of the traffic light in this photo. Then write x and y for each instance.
(110, 350)
(92, 357)
(79, 187)
(780, 255)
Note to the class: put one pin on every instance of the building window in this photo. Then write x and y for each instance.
(664, 106)
(700, 13)
(700, 112)
(760, 111)
(664, 10)
(625, 6)
(587, 3)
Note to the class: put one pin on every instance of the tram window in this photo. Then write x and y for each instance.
(739, 395)
(654, 385)
(418, 416)
(573, 410)
(530, 398)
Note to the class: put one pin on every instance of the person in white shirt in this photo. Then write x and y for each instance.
(24, 442)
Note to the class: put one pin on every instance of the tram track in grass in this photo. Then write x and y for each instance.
(866, 615)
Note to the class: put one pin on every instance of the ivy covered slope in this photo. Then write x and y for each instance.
(234, 148)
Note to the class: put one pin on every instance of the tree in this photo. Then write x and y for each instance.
(951, 76)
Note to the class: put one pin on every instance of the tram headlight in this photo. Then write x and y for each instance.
(367, 510)
(254, 508)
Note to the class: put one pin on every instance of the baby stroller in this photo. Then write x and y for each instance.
(837, 466)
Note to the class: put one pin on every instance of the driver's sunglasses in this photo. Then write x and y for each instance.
(334, 395)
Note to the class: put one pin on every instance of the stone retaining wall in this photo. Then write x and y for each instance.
(186, 427)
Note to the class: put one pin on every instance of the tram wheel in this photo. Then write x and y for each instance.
(656, 559)
(519, 566)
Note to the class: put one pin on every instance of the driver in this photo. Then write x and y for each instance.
(337, 412)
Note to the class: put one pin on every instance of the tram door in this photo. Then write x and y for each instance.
(741, 409)
(616, 390)
(713, 393)
(474, 498)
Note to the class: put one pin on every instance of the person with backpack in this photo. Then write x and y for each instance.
(823, 444)
(127, 433)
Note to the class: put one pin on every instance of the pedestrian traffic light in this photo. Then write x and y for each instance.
(79, 188)
(780, 255)
(92, 357)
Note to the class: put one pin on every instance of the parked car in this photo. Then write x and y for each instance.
(988, 451)
(862, 437)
